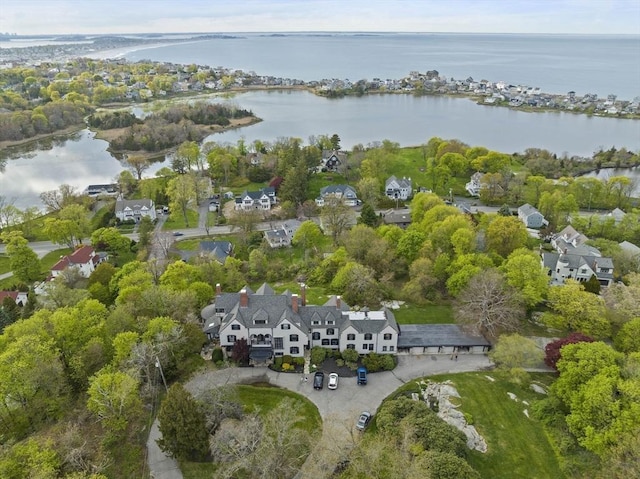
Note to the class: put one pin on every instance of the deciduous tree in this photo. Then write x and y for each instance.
(23, 261)
(523, 272)
(506, 234)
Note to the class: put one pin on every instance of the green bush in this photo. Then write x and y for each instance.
(373, 362)
(217, 355)
(298, 361)
(350, 355)
(287, 359)
(352, 365)
(318, 354)
(340, 362)
(388, 362)
(277, 363)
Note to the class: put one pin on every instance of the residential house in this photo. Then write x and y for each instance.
(278, 324)
(632, 251)
(575, 259)
(135, 210)
(401, 218)
(332, 160)
(531, 217)
(84, 259)
(474, 185)
(398, 189)
(617, 214)
(19, 297)
(282, 235)
(218, 250)
(345, 192)
(262, 199)
(100, 190)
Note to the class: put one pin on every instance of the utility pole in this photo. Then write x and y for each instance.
(159, 366)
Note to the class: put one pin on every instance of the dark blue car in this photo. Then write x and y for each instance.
(362, 375)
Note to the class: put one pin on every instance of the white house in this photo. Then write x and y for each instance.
(84, 259)
(19, 297)
(474, 185)
(531, 217)
(332, 160)
(135, 210)
(283, 234)
(575, 259)
(398, 189)
(275, 325)
(345, 192)
(262, 199)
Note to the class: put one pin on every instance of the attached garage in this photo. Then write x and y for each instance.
(439, 339)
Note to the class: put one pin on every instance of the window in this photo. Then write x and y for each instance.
(351, 346)
(384, 348)
(368, 336)
(371, 347)
(235, 327)
(388, 336)
(293, 338)
(315, 323)
(334, 342)
(392, 348)
(294, 350)
(325, 342)
(219, 310)
(231, 338)
(604, 270)
(331, 322)
(330, 331)
(351, 337)
(260, 321)
(277, 343)
(315, 336)
(285, 326)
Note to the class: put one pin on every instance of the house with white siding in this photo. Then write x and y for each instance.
(345, 192)
(135, 210)
(284, 324)
(398, 188)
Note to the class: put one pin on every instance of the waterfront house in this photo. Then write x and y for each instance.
(531, 217)
(100, 190)
(135, 210)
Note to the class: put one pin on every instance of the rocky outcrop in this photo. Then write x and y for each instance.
(439, 394)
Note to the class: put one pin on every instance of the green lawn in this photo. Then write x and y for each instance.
(518, 447)
(175, 222)
(429, 314)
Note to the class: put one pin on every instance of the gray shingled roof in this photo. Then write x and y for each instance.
(425, 335)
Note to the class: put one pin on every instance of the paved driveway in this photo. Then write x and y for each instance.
(339, 409)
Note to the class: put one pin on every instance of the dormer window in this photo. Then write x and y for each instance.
(331, 322)
(260, 321)
(315, 323)
(285, 326)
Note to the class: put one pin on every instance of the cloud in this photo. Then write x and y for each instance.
(126, 16)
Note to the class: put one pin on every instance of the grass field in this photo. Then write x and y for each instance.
(177, 221)
(4, 264)
(518, 446)
(429, 314)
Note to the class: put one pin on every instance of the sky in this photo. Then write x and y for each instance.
(42, 17)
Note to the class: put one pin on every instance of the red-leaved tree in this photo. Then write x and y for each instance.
(552, 350)
(240, 351)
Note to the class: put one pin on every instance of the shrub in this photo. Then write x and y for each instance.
(287, 359)
(277, 363)
(340, 362)
(318, 354)
(350, 355)
(298, 361)
(352, 365)
(287, 367)
(217, 355)
(388, 362)
(373, 362)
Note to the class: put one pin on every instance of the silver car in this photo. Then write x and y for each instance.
(333, 381)
(363, 420)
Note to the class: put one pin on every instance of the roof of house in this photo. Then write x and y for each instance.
(219, 249)
(528, 210)
(8, 294)
(139, 204)
(630, 247)
(82, 255)
(395, 217)
(576, 261)
(337, 189)
(402, 183)
(426, 335)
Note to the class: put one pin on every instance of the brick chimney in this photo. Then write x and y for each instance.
(218, 289)
(338, 303)
(294, 303)
(244, 298)
(303, 294)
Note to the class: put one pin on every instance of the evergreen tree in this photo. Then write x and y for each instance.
(368, 216)
(183, 426)
(592, 285)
